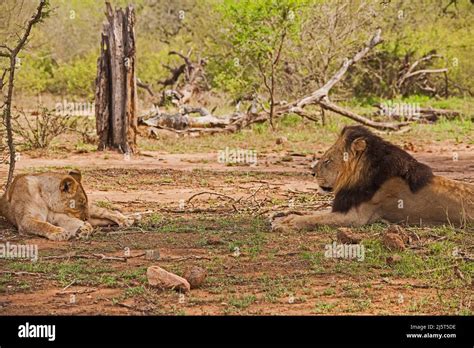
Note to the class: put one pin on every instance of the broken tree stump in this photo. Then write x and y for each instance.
(116, 83)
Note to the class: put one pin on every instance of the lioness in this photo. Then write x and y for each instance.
(55, 206)
(375, 180)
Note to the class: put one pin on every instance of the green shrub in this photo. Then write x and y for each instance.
(35, 72)
(75, 78)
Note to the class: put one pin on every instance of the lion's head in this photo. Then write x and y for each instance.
(342, 158)
(68, 195)
(360, 162)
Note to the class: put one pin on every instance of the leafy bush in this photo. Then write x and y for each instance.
(35, 72)
(235, 36)
(76, 78)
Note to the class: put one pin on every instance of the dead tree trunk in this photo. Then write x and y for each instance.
(116, 85)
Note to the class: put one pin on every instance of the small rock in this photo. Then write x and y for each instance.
(287, 158)
(393, 241)
(160, 278)
(345, 236)
(281, 140)
(393, 259)
(195, 276)
(214, 240)
(152, 254)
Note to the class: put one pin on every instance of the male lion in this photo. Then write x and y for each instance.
(375, 180)
(55, 206)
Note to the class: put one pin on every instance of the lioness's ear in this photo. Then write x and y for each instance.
(358, 145)
(76, 174)
(68, 185)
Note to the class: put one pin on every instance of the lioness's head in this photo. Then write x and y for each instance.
(338, 166)
(72, 197)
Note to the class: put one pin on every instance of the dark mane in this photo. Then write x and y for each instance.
(383, 161)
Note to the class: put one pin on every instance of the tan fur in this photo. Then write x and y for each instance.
(55, 206)
(441, 201)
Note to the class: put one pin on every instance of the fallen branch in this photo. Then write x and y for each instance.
(183, 120)
(78, 291)
(194, 77)
(83, 256)
(325, 103)
(321, 98)
(210, 193)
(324, 91)
(418, 114)
(426, 71)
(67, 286)
(184, 258)
(145, 86)
(410, 73)
(112, 258)
(238, 120)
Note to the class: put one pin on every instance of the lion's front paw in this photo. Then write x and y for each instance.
(282, 224)
(59, 234)
(291, 223)
(284, 213)
(84, 231)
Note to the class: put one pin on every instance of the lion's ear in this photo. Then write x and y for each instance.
(68, 185)
(76, 174)
(358, 145)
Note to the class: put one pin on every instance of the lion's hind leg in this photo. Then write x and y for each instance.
(97, 222)
(104, 217)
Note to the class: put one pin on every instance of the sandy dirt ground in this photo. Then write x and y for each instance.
(250, 270)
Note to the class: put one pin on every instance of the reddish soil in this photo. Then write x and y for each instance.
(273, 274)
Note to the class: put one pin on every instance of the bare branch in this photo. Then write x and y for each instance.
(35, 19)
(320, 96)
(7, 117)
(410, 73)
(426, 71)
(145, 87)
(325, 103)
(186, 59)
(4, 54)
(323, 91)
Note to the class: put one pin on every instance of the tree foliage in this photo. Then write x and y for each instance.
(241, 39)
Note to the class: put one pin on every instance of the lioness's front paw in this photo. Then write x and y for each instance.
(59, 234)
(134, 217)
(84, 231)
(122, 220)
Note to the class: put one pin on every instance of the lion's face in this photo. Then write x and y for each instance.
(71, 199)
(76, 203)
(328, 167)
(337, 163)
